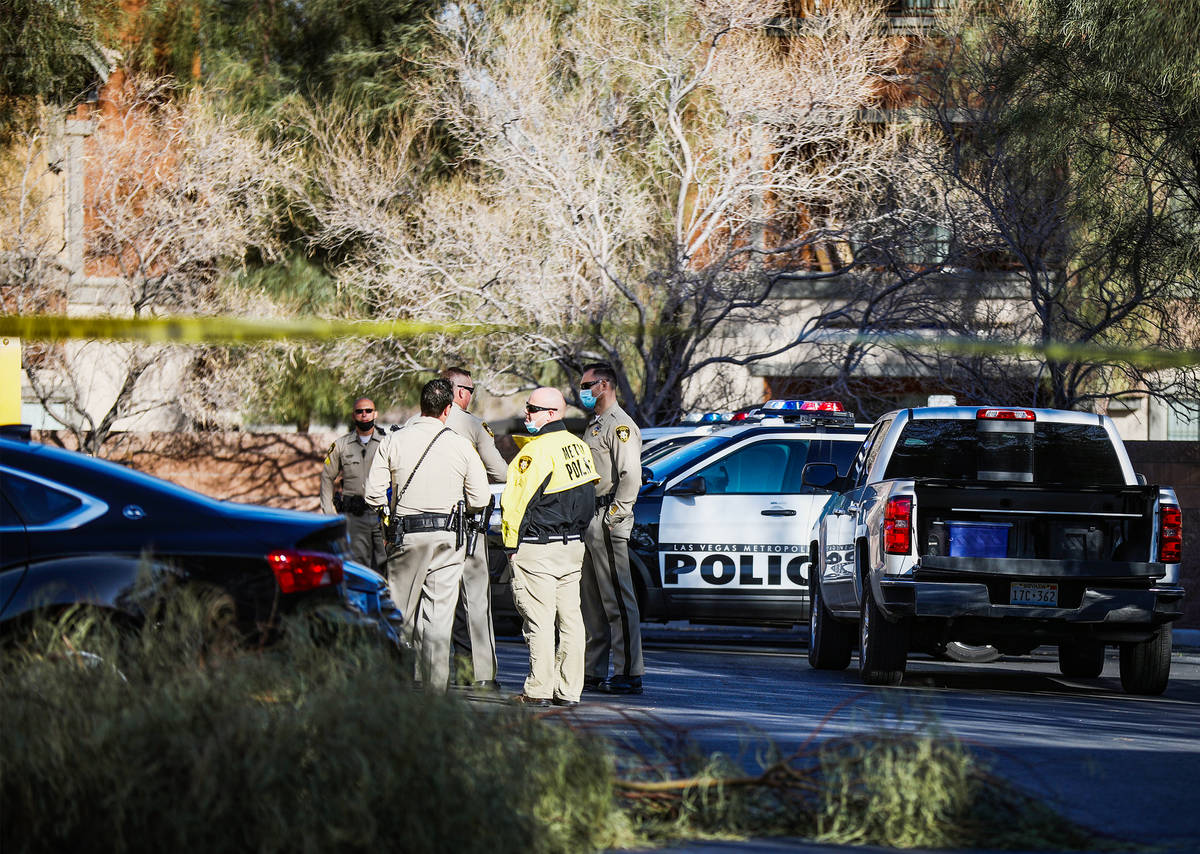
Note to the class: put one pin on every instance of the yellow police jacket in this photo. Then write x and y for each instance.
(550, 491)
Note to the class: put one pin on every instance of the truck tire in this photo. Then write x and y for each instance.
(829, 641)
(883, 645)
(1146, 665)
(1083, 659)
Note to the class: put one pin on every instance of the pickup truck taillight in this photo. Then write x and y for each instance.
(297, 571)
(1170, 533)
(897, 526)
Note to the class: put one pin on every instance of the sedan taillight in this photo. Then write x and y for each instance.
(1170, 534)
(897, 526)
(297, 571)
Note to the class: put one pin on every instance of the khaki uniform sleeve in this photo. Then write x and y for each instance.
(627, 462)
(379, 478)
(485, 444)
(329, 473)
(475, 485)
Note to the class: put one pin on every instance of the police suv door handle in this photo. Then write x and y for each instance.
(778, 512)
(852, 508)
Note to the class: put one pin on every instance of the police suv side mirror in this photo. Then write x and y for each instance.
(820, 475)
(691, 486)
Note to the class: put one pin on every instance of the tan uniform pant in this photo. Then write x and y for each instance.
(610, 609)
(424, 576)
(545, 586)
(477, 602)
(366, 539)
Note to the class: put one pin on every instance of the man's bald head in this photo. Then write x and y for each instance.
(549, 397)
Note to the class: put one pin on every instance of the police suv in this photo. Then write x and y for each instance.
(721, 525)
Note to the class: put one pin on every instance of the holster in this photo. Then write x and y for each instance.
(354, 504)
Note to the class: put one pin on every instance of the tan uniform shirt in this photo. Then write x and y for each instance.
(450, 472)
(351, 459)
(616, 444)
(476, 431)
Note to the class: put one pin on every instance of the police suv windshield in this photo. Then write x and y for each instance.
(681, 456)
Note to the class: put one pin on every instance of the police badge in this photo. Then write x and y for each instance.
(623, 433)
(523, 464)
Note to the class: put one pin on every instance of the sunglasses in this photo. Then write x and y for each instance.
(470, 388)
(531, 409)
(586, 386)
(362, 411)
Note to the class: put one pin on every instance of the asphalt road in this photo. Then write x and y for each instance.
(1126, 766)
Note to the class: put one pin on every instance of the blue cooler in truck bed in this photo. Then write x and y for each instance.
(978, 539)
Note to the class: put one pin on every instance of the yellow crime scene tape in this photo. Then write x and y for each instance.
(240, 330)
(223, 330)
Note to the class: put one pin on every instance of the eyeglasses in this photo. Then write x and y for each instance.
(531, 409)
(586, 386)
(362, 411)
(470, 388)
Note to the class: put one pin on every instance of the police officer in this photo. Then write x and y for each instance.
(350, 457)
(610, 609)
(434, 474)
(547, 504)
(473, 633)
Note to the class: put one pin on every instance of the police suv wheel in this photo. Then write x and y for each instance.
(966, 653)
(883, 645)
(829, 640)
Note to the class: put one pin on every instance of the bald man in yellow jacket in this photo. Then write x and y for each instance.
(548, 501)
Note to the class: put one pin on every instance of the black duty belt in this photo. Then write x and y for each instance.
(557, 538)
(603, 501)
(416, 523)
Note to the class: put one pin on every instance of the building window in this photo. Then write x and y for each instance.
(1183, 420)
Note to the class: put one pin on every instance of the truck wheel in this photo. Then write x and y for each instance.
(1084, 659)
(883, 646)
(1146, 665)
(829, 640)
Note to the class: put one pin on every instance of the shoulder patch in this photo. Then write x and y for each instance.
(489, 429)
(524, 463)
(623, 433)
(329, 453)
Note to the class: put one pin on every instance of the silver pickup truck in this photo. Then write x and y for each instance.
(995, 525)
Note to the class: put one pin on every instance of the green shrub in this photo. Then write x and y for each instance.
(163, 740)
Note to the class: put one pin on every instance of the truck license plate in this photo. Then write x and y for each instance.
(1025, 593)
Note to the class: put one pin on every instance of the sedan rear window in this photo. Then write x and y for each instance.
(36, 503)
(1050, 454)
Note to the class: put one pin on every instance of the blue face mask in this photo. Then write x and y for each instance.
(531, 427)
(587, 398)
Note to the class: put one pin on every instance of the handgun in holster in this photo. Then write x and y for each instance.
(354, 504)
(458, 524)
(393, 530)
(477, 526)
